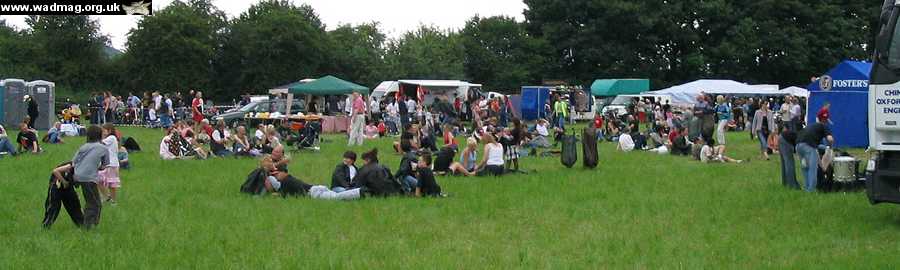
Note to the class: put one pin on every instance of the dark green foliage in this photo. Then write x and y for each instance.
(193, 45)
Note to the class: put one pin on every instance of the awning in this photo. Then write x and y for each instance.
(615, 87)
(328, 85)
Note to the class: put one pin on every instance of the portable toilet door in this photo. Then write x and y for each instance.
(14, 108)
(42, 92)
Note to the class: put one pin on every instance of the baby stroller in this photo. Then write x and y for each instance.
(308, 137)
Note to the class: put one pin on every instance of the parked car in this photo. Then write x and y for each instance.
(233, 117)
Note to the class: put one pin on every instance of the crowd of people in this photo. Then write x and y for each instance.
(501, 139)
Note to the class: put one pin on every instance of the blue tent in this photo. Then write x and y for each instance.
(533, 100)
(846, 88)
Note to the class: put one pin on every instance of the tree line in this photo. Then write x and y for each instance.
(193, 45)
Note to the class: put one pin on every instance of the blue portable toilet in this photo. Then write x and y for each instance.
(846, 88)
(2, 100)
(533, 100)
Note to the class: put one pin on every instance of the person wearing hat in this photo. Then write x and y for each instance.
(32, 110)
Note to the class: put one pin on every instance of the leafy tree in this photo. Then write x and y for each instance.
(358, 53)
(173, 50)
(426, 53)
(501, 55)
(271, 43)
(65, 49)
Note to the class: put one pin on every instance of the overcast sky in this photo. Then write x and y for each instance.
(395, 16)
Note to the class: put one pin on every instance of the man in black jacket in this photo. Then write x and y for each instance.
(32, 111)
(342, 177)
(374, 179)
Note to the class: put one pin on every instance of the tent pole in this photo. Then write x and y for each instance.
(290, 102)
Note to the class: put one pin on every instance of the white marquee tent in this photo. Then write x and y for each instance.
(687, 93)
(796, 91)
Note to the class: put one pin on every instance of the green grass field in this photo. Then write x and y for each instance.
(636, 211)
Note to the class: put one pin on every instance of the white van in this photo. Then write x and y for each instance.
(619, 105)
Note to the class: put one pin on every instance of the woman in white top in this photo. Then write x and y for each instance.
(109, 177)
(626, 143)
(492, 162)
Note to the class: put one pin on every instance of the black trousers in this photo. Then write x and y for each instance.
(92, 204)
(31, 120)
(65, 196)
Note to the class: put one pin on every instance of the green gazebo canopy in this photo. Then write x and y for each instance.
(615, 87)
(328, 85)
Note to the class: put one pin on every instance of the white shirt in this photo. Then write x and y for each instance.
(348, 104)
(352, 172)
(152, 113)
(411, 106)
(259, 134)
(374, 106)
(495, 154)
(164, 149)
(112, 147)
(786, 112)
(157, 101)
(542, 130)
(707, 154)
(393, 109)
(795, 111)
(626, 143)
(218, 137)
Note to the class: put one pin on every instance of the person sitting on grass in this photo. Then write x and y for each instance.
(374, 179)
(5, 145)
(407, 139)
(370, 131)
(427, 186)
(444, 164)
(492, 162)
(123, 158)
(54, 136)
(344, 172)
(242, 146)
(27, 139)
(678, 143)
(469, 156)
(449, 138)
(220, 139)
(406, 171)
(712, 153)
(61, 191)
(280, 183)
(626, 144)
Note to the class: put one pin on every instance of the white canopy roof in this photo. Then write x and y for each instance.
(687, 93)
(440, 83)
(795, 91)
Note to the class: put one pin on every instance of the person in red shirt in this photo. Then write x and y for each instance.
(197, 107)
(824, 114)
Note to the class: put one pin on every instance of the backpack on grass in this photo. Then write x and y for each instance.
(589, 147)
(569, 150)
(255, 183)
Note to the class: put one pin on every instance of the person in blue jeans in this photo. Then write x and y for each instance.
(807, 147)
(5, 144)
(786, 149)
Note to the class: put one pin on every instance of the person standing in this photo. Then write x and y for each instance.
(786, 145)
(723, 110)
(32, 110)
(404, 112)
(197, 107)
(88, 161)
(763, 125)
(807, 147)
(561, 111)
(796, 114)
(357, 118)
